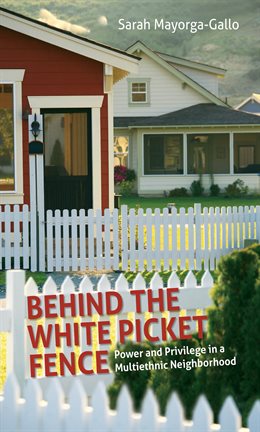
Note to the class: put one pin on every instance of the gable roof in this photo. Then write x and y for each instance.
(207, 114)
(120, 60)
(255, 97)
(140, 46)
(191, 64)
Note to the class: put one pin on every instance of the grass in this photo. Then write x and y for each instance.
(186, 202)
(39, 277)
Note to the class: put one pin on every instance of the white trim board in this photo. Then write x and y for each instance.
(37, 102)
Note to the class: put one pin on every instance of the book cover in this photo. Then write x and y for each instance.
(129, 193)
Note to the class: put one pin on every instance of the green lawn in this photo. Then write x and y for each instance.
(161, 202)
(39, 277)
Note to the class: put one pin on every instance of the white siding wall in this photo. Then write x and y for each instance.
(205, 79)
(166, 92)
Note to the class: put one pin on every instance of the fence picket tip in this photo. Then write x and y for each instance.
(149, 412)
(174, 414)
(139, 282)
(207, 280)
(54, 392)
(124, 398)
(77, 395)
(67, 286)
(253, 421)
(31, 287)
(190, 280)
(173, 281)
(156, 281)
(32, 409)
(32, 390)
(104, 284)
(121, 283)
(229, 416)
(124, 410)
(49, 286)
(86, 285)
(99, 396)
(202, 415)
(11, 387)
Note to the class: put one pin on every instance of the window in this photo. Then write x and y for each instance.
(7, 162)
(139, 91)
(163, 154)
(121, 150)
(11, 144)
(247, 153)
(208, 153)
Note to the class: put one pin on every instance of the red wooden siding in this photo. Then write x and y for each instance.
(50, 70)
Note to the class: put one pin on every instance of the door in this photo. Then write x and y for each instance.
(67, 159)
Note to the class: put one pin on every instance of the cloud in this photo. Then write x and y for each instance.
(48, 18)
(102, 20)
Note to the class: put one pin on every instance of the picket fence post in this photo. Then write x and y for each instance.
(15, 303)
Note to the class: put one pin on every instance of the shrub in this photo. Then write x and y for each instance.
(214, 190)
(236, 189)
(122, 173)
(130, 175)
(234, 322)
(196, 188)
(178, 192)
(126, 187)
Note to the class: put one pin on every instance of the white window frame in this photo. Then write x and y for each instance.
(15, 77)
(145, 81)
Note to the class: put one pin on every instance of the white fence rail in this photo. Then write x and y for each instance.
(33, 414)
(124, 240)
(14, 318)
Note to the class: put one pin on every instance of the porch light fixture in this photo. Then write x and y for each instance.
(35, 127)
(35, 146)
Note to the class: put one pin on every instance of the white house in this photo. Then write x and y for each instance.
(172, 126)
(250, 104)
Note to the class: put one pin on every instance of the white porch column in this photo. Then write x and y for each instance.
(96, 158)
(185, 154)
(231, 152)
(110, 150)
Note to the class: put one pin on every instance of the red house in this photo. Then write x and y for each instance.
(56, 87)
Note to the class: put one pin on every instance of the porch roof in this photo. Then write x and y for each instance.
(204, 114)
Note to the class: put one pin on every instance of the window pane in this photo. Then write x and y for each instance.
(163, 154)
(121, 150)
(247, 153)
(139, 87)
(7, 169)
(65, 137)
(139, 97)
(208, 154)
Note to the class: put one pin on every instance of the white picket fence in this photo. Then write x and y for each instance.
(33, 414)
(123, 240)
(14, 318)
